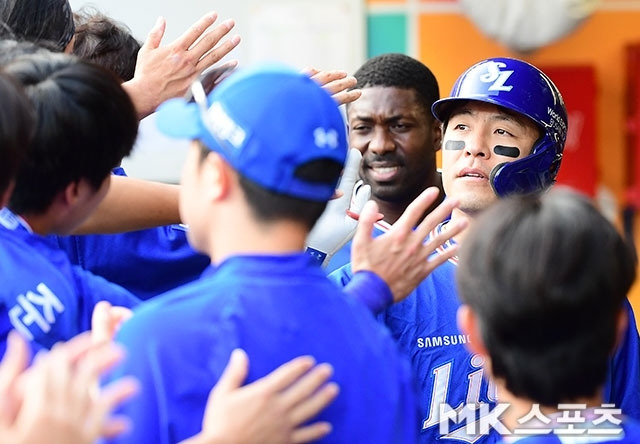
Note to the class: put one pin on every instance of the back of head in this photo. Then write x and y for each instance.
(282, 133)
(12, 49)
(522, 88)
(85, 124)
(547, 276)
(105, 42)
(42, 21)
(399, 71)
(16, 128)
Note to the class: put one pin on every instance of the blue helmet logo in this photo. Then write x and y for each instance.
(521, 87)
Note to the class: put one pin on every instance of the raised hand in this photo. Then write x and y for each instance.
(337, 83)
(402, 256)
(163, 72)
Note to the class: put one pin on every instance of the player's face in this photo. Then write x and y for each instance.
(479, 136)
(398, 139)
(85, 202)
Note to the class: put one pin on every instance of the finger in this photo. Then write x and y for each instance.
(435, 217)
(77, 347)
(306, 385)
(360, 198)
(216, 54)
(313, 405)
(111, 397)
(339, 85)
(211, 38)
(324, 77)
(452, 229)
(310, 71)
(364, 231)
(195, 31)
(14, 362)
(416, 209)
(115, 426)
(99, 359)
(345, 97)
(234, 373)
(350, 172)
(285, 375)
(312, 432)
(155, 35)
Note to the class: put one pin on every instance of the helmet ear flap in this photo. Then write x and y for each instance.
(492, 176)
(530, 174)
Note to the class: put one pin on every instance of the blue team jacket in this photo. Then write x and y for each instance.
(275, 308)
(43, 296)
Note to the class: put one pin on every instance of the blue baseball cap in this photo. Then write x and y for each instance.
(267, 121)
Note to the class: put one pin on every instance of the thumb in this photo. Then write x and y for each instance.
(360, 198)
(234, 373)
(155, 35)
(350, 173)
(364, 231)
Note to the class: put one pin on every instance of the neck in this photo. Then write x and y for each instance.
(456, 214)
(393, 210)
(39, 223)
(246, 237)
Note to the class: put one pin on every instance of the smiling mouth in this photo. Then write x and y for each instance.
(383, 173)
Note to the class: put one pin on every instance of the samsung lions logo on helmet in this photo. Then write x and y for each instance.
(496, 77)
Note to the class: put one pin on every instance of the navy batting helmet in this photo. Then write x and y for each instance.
(523, 88)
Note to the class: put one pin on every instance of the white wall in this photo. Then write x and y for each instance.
(327, 34)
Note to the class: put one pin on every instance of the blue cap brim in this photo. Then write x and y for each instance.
(179, 119)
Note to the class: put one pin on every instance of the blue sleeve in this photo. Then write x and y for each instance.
(623, 381)
(371, 290)
(93, 289)
(365, 286)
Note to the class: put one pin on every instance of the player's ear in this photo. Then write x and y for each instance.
(436, 134)
(468, 324)
(217, 175)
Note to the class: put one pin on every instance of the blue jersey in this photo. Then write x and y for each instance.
(145, 262)
(275, 308)
(425, 326)
(42, 295)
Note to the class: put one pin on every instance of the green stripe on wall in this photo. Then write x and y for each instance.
(386, 33)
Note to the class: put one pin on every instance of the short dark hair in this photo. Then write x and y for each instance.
(40, 21)
(547, 276)
(105, 41)
(85, 124)
(268, 206)
(16, 128)
(396, 70)
(11, 49)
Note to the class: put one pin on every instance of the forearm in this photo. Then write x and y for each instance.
(133, 204)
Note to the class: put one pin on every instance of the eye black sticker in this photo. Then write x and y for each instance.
(454, 145)
(508, 151)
